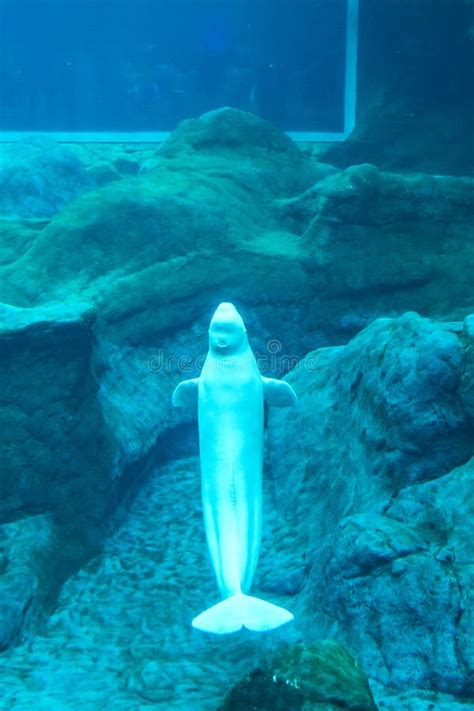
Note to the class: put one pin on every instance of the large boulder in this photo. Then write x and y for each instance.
(378, 495)
(322, 675)
(375, 242)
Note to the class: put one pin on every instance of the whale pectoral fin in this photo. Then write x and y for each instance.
(186, 395)
(278, 393)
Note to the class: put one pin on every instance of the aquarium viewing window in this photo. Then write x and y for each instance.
(131, 70)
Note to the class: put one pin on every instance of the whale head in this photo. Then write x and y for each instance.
(227, 334)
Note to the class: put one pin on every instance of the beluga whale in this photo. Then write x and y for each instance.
(230, 395)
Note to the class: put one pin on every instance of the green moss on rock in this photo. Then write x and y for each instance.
(322, 676)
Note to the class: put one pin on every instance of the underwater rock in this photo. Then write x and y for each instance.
(38, 178)
(443, 511)
(232, 198)
(57, 456)
(336, 251)
(384, 430)
(389, 407)
(401, 609)
(184, 217)
(321, 675)
(265, 159)
(373, 236)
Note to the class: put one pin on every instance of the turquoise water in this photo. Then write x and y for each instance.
(118, 66)
(293, 528)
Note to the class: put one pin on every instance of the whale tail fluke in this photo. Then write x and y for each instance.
(239, 611)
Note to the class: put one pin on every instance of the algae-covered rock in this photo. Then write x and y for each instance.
(321, 676)
(265, 159)
(233, 210)
(373, 235)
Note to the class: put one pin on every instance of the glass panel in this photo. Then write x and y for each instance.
(141, 67)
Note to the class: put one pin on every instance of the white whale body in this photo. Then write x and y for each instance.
(230, 395)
